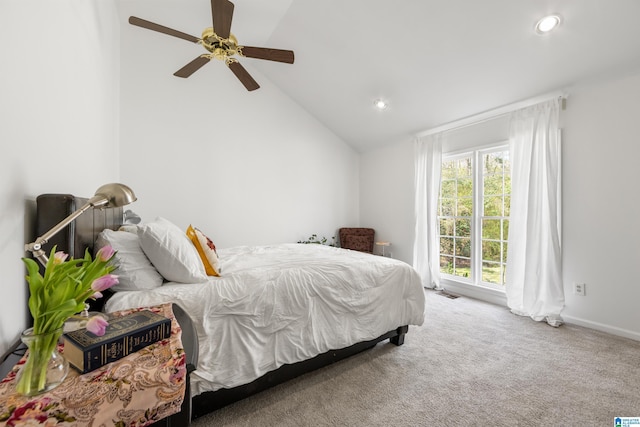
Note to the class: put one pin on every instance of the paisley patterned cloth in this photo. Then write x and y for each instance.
(135, 391)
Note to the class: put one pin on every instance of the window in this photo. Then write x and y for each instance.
(473, 213)
(455, 216)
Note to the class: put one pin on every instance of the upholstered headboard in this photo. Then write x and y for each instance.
(80, 234)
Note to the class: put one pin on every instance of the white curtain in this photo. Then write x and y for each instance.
(534, 259)
(428, 163)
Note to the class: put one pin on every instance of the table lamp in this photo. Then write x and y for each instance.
(108, 196)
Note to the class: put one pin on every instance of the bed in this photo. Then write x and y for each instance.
(270, 314)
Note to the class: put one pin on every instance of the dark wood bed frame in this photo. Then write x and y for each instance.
(81, 234)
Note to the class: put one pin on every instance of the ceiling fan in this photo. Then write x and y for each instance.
(221, 45)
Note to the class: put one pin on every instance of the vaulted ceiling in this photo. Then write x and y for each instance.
(433, 61)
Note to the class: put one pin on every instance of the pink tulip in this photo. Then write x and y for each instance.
(104, 282)
(60, 257)
(105, 253)
(97, 325)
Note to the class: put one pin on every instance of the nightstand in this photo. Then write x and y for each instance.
(146, 387)
(384, 245)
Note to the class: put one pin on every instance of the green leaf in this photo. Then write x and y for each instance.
(63, 289)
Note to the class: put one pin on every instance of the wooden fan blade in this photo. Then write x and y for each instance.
(161, 29)
(222, 14)
(278, 55)
(242, 75)
(192, 67)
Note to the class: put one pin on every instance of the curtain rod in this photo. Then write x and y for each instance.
(492, 114)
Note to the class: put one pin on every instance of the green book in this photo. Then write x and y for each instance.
(124, 335)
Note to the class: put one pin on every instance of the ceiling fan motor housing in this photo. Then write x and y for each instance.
(220, 48)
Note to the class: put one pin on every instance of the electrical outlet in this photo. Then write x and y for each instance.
(580, 289)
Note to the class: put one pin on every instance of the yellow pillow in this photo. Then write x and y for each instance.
(206, 249)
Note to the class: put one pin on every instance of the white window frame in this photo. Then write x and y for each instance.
(476, 154)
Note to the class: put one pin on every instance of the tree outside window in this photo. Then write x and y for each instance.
(473, 241)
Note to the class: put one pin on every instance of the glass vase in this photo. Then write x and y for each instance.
(45, 368)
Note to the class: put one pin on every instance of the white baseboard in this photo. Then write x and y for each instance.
(499, 298)
(601, 327)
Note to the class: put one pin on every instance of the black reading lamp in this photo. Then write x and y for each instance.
(108, 196)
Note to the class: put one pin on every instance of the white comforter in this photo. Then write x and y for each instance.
(281, 304)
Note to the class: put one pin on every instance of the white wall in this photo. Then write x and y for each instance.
(244, 167)
(386, 197)
(59, 120)
(601, 206)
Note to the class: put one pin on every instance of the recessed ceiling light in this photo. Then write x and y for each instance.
(380, 104)
(547, 24)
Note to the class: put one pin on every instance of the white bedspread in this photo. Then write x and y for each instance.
(281, 304)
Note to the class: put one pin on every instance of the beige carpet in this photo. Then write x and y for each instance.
(470, 364)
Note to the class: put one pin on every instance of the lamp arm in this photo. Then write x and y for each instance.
(36, 247)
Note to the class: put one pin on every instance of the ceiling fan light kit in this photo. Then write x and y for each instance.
(220, 44)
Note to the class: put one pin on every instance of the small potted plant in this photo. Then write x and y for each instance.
(313, 239)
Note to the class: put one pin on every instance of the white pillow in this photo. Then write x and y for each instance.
(133, 268)
(171, 252)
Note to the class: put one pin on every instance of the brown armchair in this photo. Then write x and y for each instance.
(357, 239)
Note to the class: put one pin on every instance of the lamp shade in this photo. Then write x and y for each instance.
(113, 195)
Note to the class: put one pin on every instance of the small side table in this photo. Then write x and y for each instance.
(138, 390)
(383, 245)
